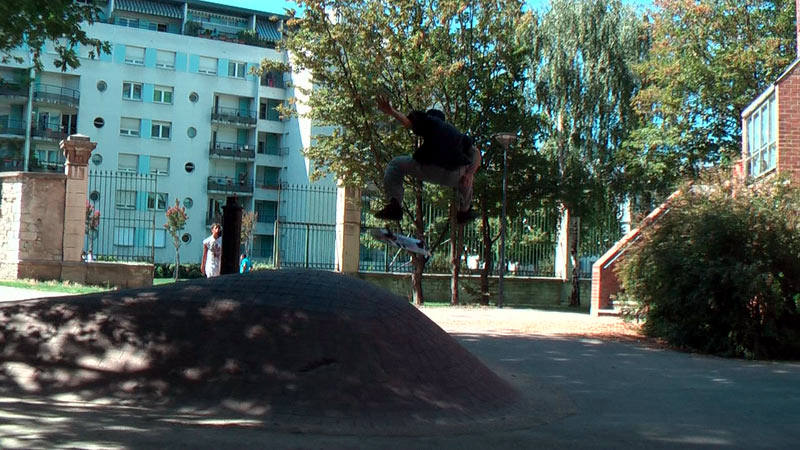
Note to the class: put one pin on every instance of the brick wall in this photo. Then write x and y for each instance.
(788, 89)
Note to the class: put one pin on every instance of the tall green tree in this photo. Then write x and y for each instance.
(709, 59)
(34, 22)
(582, 61)
(459, 56)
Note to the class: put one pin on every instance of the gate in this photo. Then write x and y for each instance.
(306, 227)
(127, 203)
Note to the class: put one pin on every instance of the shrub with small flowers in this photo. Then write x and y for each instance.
(176, 221)
(92, 223)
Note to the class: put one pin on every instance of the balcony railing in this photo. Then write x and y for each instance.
(234, 115)
(232, 150)
(277, 151)
(230, 185)
(44, 166)
(48, 133)
(12, 127)
(13, 90)
(56, 94)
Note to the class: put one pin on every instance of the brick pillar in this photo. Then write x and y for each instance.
(77, 149)
(348, 229)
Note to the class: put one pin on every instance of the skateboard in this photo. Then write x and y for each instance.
(400, 241)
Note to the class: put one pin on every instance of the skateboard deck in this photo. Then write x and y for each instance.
(400, 241)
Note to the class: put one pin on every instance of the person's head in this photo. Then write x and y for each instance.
(216, 230)
(438, 113)
(244, 255)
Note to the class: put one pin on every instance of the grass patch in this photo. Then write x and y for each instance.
(66, 287)
(160, 281)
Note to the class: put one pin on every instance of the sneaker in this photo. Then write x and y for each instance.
(392, 211)
(469, 215)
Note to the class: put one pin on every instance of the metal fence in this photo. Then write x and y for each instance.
(530, 244)
(127, 229)
(307, 226)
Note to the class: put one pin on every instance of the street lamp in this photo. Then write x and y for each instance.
(505, 139)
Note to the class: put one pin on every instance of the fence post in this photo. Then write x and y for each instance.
(77, 149)
(348, 228)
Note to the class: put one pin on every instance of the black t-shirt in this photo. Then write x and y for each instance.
(443, 145)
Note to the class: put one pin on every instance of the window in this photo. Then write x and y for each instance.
(267, 177)
(165, 59)
(162, 94)
(123, 236)
(125, 199)
(157, 200)
(236, 69)
(159, 165)
(127, 22)
(762, 131)
(208, 65)
(127, 162)
(267, 211)
(134, 55)
(157, 26)
(131, 90)
(157, 238)
(160, 130)
(267, 110)
(128, 126)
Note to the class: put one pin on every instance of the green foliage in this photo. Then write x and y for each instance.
(708, 60)
(249, 220)
(720, 271)
(35, 22)
(167, 270)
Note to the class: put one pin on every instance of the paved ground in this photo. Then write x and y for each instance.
(619, 394)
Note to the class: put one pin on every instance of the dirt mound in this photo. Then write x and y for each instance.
(308, 349)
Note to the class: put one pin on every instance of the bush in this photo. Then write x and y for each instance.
(167, 270)
(720, 272)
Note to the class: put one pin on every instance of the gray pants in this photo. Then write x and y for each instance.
(401, 166)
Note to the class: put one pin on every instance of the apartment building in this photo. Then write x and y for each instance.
(175, 100)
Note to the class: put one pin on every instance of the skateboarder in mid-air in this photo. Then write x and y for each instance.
(446, 157)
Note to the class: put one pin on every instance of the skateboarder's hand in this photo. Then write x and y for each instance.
(384, 104)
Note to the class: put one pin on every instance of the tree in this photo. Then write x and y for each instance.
(34, 22)
(176, 221)
(92, 223)
(709, 59)
(249, 220)
(582, 62)
(455, 55)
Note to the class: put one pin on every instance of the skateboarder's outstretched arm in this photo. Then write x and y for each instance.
(385, 106)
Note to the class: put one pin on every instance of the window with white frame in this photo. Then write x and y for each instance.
(127, 162)
(131, 90)
(207, 65)
(162, 94)
(157, 200)
(236, 69)
(123, 236)
(129, 126)
(125, 199)
(134, 55)
(762, 133)
(165, 59)
(159, 165)
(161, 130)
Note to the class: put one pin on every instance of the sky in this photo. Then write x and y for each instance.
(278, 6)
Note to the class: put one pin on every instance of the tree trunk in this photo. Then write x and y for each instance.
(456, 231)
(487, 259)
(177, 264)
(575, 296)
(418, 261)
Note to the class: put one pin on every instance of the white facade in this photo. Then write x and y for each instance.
(168, 101)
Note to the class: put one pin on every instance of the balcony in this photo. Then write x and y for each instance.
(15, 128)
(240, 118)
(231, 150)
(228, 185)
(47, 166)
(56, 95)
(48, 134)
(13, 90)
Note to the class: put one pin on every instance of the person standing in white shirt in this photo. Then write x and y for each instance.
(212, 252)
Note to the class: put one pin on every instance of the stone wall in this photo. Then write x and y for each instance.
(517, 291)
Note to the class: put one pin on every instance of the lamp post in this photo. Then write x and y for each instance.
(505, 139)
